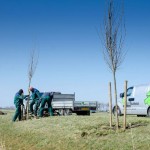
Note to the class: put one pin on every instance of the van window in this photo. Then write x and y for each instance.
(129, 91)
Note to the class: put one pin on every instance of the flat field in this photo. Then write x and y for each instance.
(74, 133)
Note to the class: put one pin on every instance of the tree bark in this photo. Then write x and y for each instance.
(125, 104)
(27, 103)
(115, 92)
(110, 104)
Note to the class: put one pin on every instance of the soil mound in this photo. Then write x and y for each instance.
(2, 113)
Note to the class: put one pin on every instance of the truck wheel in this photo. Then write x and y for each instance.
(81, 113)
(88, 113)
(61, 112)
(70, 112)
(66, 112)
(148, 112)
(119, 111)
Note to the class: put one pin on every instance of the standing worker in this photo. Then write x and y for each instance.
(18, 101)
(46, 98)
(35, 98)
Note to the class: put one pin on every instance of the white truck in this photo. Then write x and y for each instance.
(65, 104)
(81, 106)
(138, 101)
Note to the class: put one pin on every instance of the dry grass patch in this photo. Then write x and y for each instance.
(74, 132)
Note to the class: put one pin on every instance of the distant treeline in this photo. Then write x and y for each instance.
(102, 106)
(8, 108)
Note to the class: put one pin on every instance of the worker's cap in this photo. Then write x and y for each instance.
(20, 91)
(31, 88)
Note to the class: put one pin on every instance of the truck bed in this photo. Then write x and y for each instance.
(63, 101)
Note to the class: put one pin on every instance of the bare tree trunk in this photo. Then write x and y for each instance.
(27, 103)
(115, 92)
(31, 70)
(110, 104)
(125, 104)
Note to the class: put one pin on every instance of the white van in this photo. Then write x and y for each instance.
(138, 101)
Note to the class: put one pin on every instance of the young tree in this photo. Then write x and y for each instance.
(113, 38)
(31, 70)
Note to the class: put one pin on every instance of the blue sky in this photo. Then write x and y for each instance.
(64, 33)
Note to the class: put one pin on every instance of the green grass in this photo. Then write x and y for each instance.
(73, 133)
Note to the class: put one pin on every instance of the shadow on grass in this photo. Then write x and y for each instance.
(105, 129)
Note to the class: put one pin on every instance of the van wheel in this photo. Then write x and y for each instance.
(148, 112)
(119, 111)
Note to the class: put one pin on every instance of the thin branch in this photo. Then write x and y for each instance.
(32, 65)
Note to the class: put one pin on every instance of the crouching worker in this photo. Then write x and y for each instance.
(18, 101)
(46, 98)
(35, 98)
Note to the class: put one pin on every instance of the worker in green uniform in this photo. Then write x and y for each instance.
(35, 96)
(18, 101)
(46, 98)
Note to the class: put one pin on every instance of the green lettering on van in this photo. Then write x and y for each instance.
(123, 101)
(147, 100)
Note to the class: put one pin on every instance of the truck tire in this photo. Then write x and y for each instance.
(114, 111)
(66, 112)
(148, 112)
(80, 113)
(83, 113)
(88, 113)
(61, 112)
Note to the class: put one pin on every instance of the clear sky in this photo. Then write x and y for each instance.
(64, 33)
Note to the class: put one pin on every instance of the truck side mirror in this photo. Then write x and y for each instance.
(121, 95)
(131, 99)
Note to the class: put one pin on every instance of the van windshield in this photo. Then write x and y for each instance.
(129, 91)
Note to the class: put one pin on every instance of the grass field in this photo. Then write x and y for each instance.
(73, 133)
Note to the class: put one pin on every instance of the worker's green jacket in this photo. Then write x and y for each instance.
(35, 95)
(18, 99)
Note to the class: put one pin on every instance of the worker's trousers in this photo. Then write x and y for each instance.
(17, 113)
(36, 105)
(45, 100)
